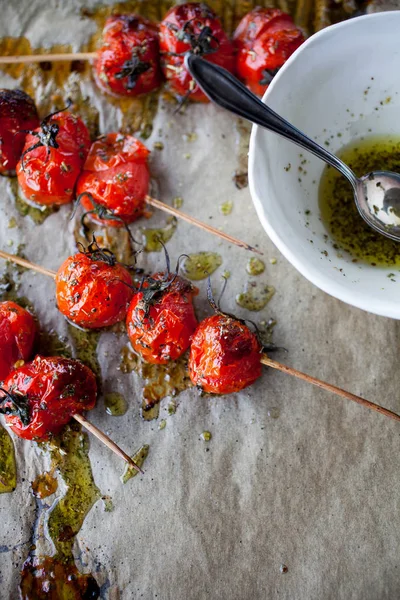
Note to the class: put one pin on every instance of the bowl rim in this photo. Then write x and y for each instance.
(314, 275)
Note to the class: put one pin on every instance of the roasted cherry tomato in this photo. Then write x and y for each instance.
(264, 40)
(192, 27)
(17, 113)
(17, 336)
(52, 159)
(128, 63)
(117, 175)
(92, 289)
(41, 397)
(224, 355)
(161, 318)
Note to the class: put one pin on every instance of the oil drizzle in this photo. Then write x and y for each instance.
(255, 296)
(152, 238)
(44, 485)
(58, 573)
(255, 266)
(8, 467)
(139, 459)
(160, 381)
(115, 404)
(200, 265)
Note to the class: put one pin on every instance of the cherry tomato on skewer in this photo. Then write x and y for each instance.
(192, 27)
(264, 40)
(117, 175)
(52, 159)
(128, 62)
(17, 336)
(42, 396)
(17, 113)
(92, 289)
(161, 318)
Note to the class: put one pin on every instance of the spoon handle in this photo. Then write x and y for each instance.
(229, 93)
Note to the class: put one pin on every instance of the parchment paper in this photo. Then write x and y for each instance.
(316, 489)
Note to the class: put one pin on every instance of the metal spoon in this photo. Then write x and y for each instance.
(377, 194)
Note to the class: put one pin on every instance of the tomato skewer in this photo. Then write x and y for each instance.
(264, 359)
(116, 177)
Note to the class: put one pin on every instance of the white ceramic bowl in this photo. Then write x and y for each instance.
(331, 85)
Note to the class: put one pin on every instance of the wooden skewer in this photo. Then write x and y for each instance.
(328, 387)
(35, 58)
(193, 221)
(106, 441)
(28, 265)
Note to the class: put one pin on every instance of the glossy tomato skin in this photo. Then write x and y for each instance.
(173, 48)
(48, 175)
(18, 333)
(17, 112)
(224, 355)
(165, 333)
(264, 39)
(117, 175)
(92, 293)
(128, 63)
(56, 389)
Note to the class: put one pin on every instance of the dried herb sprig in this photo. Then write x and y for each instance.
(18, 405)
(132, 69)
(47, 136)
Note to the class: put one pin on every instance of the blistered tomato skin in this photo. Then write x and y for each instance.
(264, 39)
(92, 293)
(48, 173)
(192, 27)
(224, 356)
(117, 175)
(164, 333)
(17, 113)
(128, 63)
(18, 333)
(54, 389)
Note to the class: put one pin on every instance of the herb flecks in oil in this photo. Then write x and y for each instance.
(8, 467)
(255, 296)
(160, 381)
(115, 404)
(153, 237)
(339, 212)
(255, 266)
(200, 265)
(138, 459)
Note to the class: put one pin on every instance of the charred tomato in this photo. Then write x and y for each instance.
(17, 113)
(128, 63)
(192, 27)
(52, 159)
(224, 355)
(92, 289)
(264, 40)
(161, 318)
(17, 336)
(117, 176)
(41, 397)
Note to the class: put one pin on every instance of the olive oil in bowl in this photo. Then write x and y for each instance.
(338, 209)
